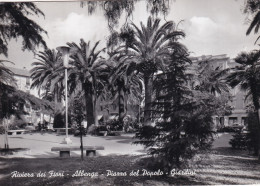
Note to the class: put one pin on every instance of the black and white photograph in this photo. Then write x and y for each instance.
(129, 92)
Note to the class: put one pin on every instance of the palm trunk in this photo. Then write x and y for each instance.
(148, 83)
(1, 107)
(81, 141)
(89, 105)
(94, 98)
(258, 116)
(121, 102)
(55, 99)
(257, 107)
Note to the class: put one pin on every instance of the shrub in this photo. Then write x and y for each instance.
(113, 125)
(130, 124)
(2, 130)
(59, 120)
(174, 142)
(239, 141)
(92, 129)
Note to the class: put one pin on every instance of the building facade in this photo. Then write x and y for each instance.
(23, 82)
(238, 103)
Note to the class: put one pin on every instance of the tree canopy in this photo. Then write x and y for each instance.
(15, 23)
(113, 10)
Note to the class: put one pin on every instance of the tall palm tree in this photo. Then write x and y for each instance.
(247, 77)
(128, 85)
(47, 74)
(87, 73)
(149, 48)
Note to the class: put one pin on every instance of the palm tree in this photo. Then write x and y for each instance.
(211, 80)
(15, 22)
(47, 74)
(149, 48)
(87, 74)
(247, 77)
(128, 85)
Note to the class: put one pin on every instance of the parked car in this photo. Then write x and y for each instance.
(232, 128)
(28, 126)
(236, 127)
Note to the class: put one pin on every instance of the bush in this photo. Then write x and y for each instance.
(239, 141)
(13, 127)
(2, 130)
(130, 124)
(92, 129)
(113, 125)
(59, 120)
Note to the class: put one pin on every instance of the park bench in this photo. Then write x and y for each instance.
(61, 131)
(65, 151)
(15, 132)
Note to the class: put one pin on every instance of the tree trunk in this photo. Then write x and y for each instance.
(257, 107)
(94, 98)
(55, 99)
(89, 105)
(81, 142)
(148, 83)
(258, 116)
(1, 107)
(121, 102)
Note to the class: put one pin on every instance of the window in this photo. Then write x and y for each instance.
(232, 120)
(244, 121)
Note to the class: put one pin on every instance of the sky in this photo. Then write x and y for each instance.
(212, 27)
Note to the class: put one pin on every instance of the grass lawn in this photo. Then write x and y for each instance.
(222, 166)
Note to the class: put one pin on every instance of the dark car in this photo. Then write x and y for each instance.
(231, 128)
(236, 127)
(28, 126)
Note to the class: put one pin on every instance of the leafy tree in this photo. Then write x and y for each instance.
(87, 74)
(15, 23)
(12, 100)
(246, 76)
(6, 79)
(184, 117)
(78, 116)
(149, 49)
(113, 10)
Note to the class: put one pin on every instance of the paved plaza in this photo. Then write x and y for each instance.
(37, 145)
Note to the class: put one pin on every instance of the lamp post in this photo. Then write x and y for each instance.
(65, 51)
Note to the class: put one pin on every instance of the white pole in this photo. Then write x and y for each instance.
(66, 101)
(65, 54)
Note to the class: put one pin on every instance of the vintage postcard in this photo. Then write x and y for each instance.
(129, 92)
